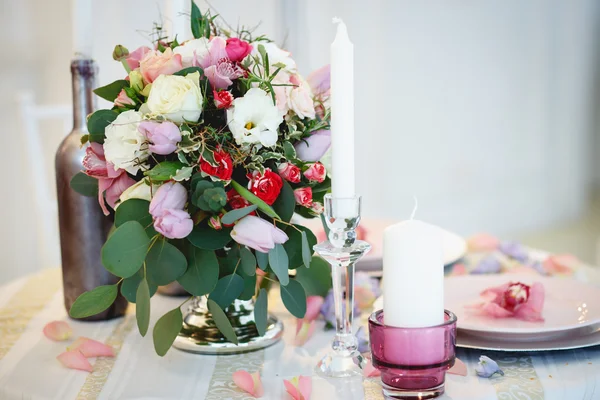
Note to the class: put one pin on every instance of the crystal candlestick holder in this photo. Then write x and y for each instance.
(342, 251)
(413, 361)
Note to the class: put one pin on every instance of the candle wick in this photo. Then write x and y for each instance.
(414, 211)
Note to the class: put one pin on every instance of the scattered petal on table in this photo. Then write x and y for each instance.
(489, 265)
(304, 331)
(487, 367)
(523, 270)
(514, 250)
(75, 359)
(363, 340)
(370, 371)
(313, 307)
(92, 348)
(459, 269)
(299, 387)
(561, 264)
(482, 242)
(248, 382)
(58, 330)
(459, 368)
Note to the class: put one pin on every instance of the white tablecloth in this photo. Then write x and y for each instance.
(29, 369)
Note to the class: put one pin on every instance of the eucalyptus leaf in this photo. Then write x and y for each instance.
(142, 309)
(260, 311)
(205, 237)
(97, 123)
(294, 246)
(249, 288)
(166, 330)
(221, 321)
(262, 206)
(125, 250)
(130, 285)
(307, 251)
(247, 261)
(262, 259)
(279, 262)
(164, 263)
(293, 297)
(202, 272)
(233, 215)
(285, 203)
(111, 91)
(316, 280)
(94, 302)
(84, 185)
(135, 210)
(227, 290)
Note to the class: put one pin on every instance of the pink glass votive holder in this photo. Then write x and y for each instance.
(413, 361)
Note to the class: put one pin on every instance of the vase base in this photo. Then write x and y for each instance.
(392, 393)
(335, 365)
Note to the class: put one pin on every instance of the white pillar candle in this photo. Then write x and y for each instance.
(81, 14)
(413, 275)
(342, 114)
(177, 21)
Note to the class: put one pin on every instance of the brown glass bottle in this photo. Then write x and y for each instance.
(83, 226)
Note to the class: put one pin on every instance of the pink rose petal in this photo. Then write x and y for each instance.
(370, 371)
(75, 359)
(482, 242)
(563, 264)
(459, 368)
(299, 387)
(58, 330)
(304, 331)
(92, 348)
(459, 269)
(248, 382)
(313, 307)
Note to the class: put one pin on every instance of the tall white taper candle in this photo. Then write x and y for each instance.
(81, 14)
(177, 22)
(342, 113)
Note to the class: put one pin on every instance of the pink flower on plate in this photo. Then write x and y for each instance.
(299, 387)
(249, 382)
(316, 172)
(75, 359)
(156, 63)
(58, 331)
(134, 58)
(217, 66)
(163, 136)
(174, 224)
(303, 196)
(257, 234)
(91, 348)
(516, 300)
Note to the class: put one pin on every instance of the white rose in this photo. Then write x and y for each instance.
(300, 98)
(125, 147)
(140, 190)
(254, 119)
(197, 48)
(177, 98)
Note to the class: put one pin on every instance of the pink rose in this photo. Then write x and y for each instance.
(300, 98)
(257, 234)
(163, 135)
(134, 58)
(174, 224)
(169, 196)
(123, 100)
(289, 172)
(303, 196)
(313, 147)
(156, 63)
(217, 66)
(237, 49)
(316, 172)
(223, 99)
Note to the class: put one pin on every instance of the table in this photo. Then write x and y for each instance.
(29, 370)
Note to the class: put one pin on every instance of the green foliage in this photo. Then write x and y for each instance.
(97, 123)
(135, 210)
(94, 302)
(289, 150)
(293, 297)
(233, 215)
(222, 322)
(202, 272)
(285, 203)
(294, 246)
(247, 261)
(112, 90)
(307, 251)
(189, 70)
(228, 289)
(166, 330)
(125, 250)
(262, 259)
(130, 285)
(207, 195)
(316, 280)
(164, 263)
(279, 262)
(205, 237)
(260, 311)
(249, 288)
(262, 206)
(200, 24)
(84, 185)
(142, 309)
(164, 171)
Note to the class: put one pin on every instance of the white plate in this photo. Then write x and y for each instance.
(569, 305)
(565, 343)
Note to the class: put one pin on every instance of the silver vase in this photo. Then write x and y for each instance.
(199, 333)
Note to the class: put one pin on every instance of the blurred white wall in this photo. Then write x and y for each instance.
(484, 110)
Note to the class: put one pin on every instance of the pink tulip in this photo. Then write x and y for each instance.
(237, 49)
(459, 368)
(320, 80)
(134, 58)
(156, 63)
(58, 331)
(174, 224)
(249, 382)
(257, 234)
(91, 348)
(314, 147)
(75, 359)
(299, 387)
(169, 196)
(164, 136)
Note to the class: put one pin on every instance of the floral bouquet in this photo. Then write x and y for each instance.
(210, 148)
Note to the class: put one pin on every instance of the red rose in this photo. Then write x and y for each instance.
(266, 186)
(224, 167)
(316, 172)
(304, 196)
(235, 200)
(237, 49)
(289, 172)
(223, 99)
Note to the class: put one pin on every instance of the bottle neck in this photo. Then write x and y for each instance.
(83, 77)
